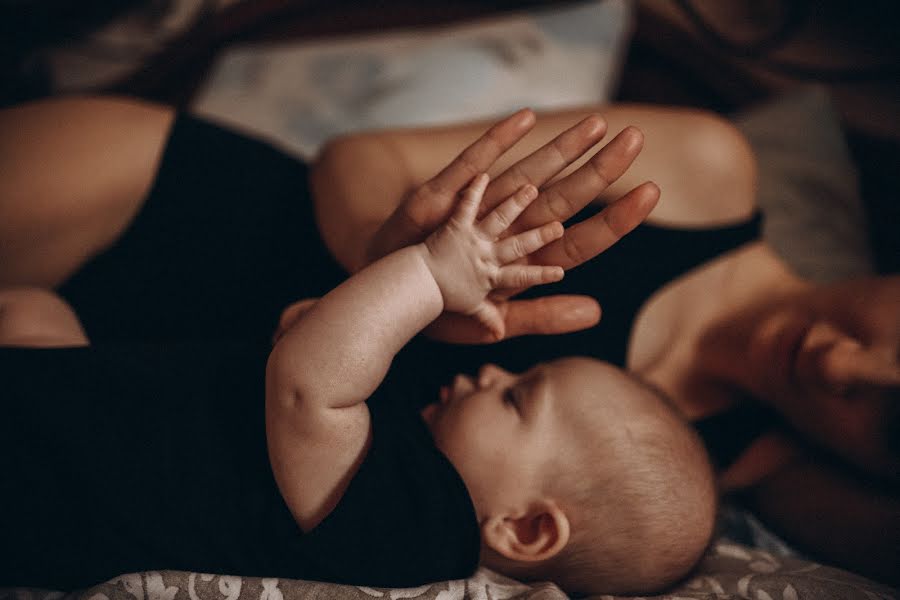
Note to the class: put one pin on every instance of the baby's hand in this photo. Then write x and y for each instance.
(468, 260)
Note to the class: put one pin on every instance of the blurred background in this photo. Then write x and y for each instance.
(723, 55)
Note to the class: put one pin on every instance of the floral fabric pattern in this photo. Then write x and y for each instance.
(728, 571)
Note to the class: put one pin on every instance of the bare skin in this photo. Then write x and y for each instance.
(75, 173)
(684, 338)
(676, 335)
(317, 420)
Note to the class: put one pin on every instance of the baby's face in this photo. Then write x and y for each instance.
(503, 430)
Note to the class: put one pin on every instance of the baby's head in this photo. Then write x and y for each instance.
(579, 473)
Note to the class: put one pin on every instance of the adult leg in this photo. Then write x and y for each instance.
(75, 172)
(38, 318)
(209, 238)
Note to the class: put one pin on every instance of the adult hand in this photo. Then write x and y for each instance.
(559, 199)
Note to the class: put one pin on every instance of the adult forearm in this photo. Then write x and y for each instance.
(339, 352)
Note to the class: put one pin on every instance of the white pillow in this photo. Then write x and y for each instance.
(300, 94)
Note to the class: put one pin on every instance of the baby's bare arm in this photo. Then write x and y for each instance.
(38, 318)
(326, 365)
(333, 357)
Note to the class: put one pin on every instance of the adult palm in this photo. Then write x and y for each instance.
(428, 206)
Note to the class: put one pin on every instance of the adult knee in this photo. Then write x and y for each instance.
(38, 318)
(716, 153)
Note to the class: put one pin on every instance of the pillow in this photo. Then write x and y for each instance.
(728, 572)
(808, 186)
(297, 95)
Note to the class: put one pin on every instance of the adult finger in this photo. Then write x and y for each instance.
(432, 202)
(482, 153)
(551, 315)
(566, 197)
(548, 161)
(585, 240)
(491, 320)
(547, 315)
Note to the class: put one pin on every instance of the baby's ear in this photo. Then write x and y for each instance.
(538, 534)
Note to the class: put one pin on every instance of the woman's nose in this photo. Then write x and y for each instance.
(836, 360)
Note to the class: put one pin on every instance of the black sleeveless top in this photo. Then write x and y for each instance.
(226, 240)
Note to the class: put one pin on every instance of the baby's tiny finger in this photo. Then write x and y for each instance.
(491, 319)
(523, 244)
(509, 210)
(522, 276)
(471, 200)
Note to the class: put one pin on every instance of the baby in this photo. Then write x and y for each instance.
(608, 491)
(576, 472)
(572, 472)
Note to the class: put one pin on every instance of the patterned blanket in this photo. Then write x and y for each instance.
(728, 571)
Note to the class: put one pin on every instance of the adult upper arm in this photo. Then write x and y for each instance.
(314, 450)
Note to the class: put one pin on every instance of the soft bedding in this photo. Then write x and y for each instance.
(813, 208)
(728, 571)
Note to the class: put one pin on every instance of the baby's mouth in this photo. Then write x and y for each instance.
(429, 413)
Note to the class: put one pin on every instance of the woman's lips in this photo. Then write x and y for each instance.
(444, 394)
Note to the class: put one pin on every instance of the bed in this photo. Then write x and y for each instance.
(807, 189)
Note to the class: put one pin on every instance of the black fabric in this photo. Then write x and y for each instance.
(728, 434)
(226, 239)
(180, 313)
(135, 457)
(406, 517)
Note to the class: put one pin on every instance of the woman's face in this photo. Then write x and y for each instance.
(836, 369)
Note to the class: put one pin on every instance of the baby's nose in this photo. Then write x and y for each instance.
(488, 374)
